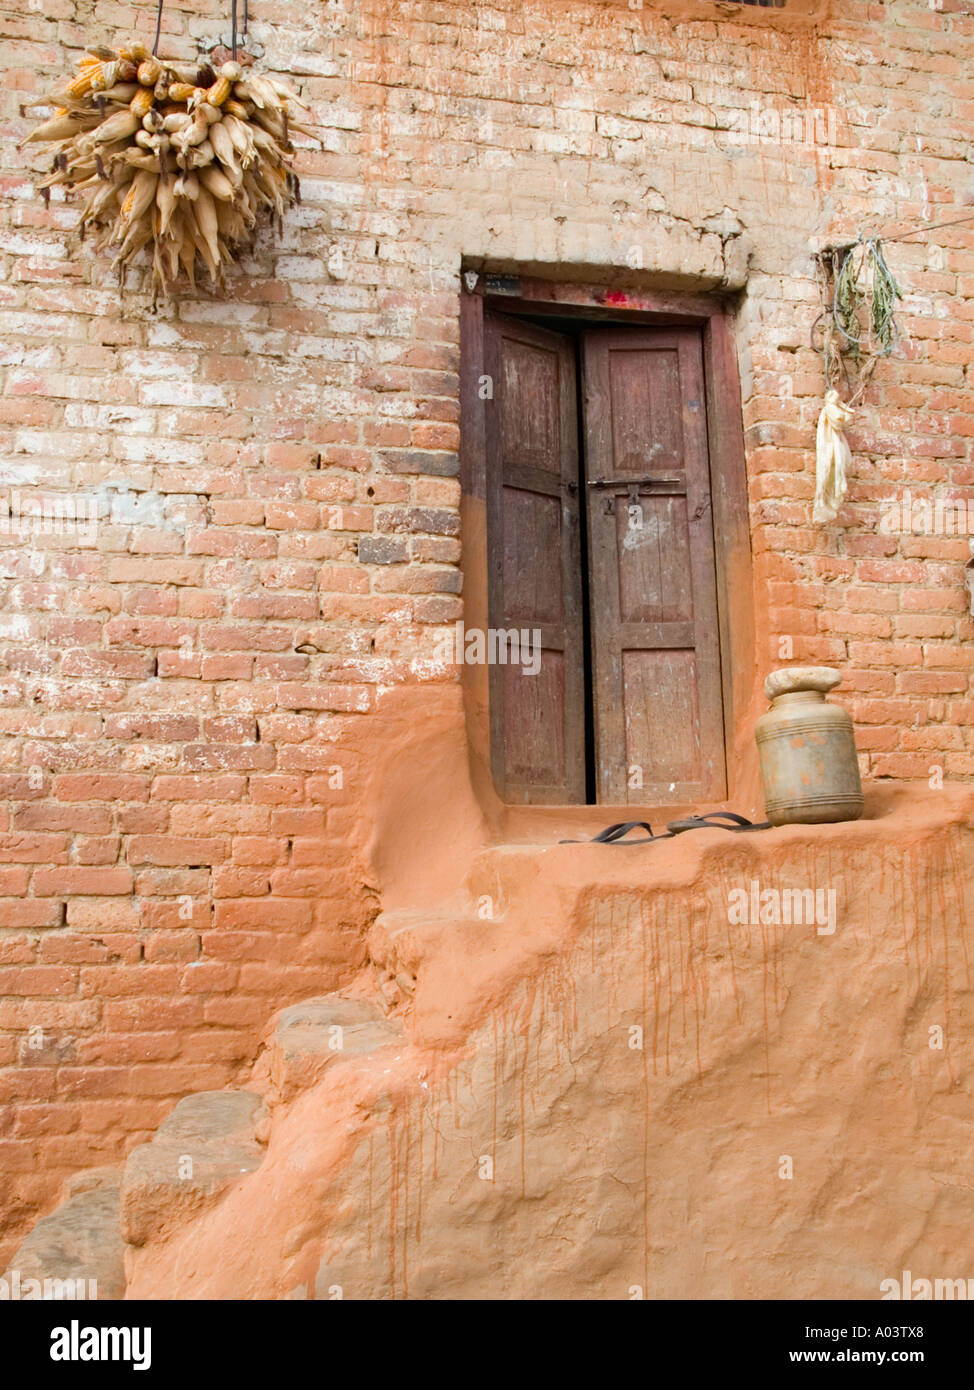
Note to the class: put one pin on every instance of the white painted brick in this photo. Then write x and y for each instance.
(183, 393)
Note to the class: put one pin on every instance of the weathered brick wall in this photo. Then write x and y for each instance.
(275, 474)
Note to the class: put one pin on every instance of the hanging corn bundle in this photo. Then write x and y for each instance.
(184, 161)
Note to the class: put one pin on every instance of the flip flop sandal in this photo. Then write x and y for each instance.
(712, 820)
(614, 835)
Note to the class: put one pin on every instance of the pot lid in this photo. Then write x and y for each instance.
(789, 679)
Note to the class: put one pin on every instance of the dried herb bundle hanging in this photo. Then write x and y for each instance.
(866, 283)
(859, 294)
(859, 314)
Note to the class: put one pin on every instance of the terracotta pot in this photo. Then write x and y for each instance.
(807, 750)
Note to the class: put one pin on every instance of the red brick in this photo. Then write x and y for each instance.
(138, 1014)
(33, 849)
(175, 1079)
(41, 979)
(95, 787)
(75, 880)
(14, 880)
(113, 981)
(45, 1119)
(31, 912)
(208, 977)
(42, 815)
(289, 916)
(95, 664)
(96, 849)
(170, 850)
(177, 945)
(125, 1049)
(199, 787)
(276, 790)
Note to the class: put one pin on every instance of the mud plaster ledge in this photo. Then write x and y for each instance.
(521, 1146)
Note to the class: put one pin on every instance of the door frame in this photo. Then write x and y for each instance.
(514, 295)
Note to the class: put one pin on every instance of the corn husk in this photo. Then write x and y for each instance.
(183, 161)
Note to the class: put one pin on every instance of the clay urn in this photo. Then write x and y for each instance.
(807, 750)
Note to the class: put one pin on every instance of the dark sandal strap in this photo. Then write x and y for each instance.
(715, 820)
(619, 831)
(740, 822)
(614, 834)
(710, 820)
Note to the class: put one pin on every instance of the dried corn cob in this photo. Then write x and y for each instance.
(219, 92)
(136, 237)
(122, 92)
(81, 85)
(187, 186)
(140, 196)
(225, 151)
(143, 160)
(117, 127)
(105, 76)
(166, 202)
(217, 183)
(61, 127)
(141, 103)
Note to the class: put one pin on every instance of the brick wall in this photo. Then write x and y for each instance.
(274, 473)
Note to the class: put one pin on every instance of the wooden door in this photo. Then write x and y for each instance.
(535, 564)
(659, 733)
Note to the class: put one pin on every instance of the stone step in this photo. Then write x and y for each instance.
(409, 948)
(401, 942)
(75, 1252)
(197, 1153)
(307, 1037)
(502, 874)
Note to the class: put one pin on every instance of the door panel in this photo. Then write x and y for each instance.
(656, 658)
(534, 731)
(669, 747)
(535, 564)
(654, 582)
(644, 386)
(532, 534)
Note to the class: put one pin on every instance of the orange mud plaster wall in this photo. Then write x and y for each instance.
(191, 750)
(651, 1101)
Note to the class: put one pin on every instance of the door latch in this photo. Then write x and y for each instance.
(633, 487)
(639, 484)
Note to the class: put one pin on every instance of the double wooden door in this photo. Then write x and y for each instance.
(601, 548)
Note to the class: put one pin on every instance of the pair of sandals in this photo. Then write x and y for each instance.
(712, 820)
